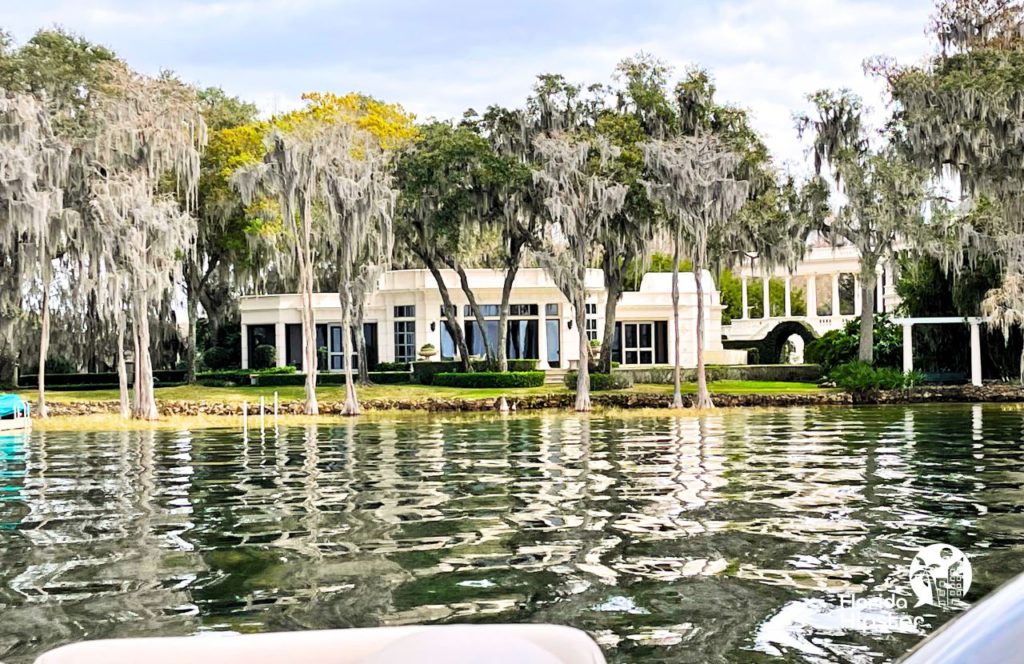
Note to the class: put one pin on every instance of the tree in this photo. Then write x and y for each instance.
(692, 179)
(149, 133)
(885, 195)
(580, 199)
(34, 230)
(357, 186)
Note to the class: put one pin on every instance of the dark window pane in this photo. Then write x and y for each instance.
(631, 357)
(646, 357)
(646, 340)
(405, 311)
(447, 344)
(631, 335)
(554, 342)
(551, 309)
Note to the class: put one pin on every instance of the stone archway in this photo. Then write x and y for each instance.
(770, 348)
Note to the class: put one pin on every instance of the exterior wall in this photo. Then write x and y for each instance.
(653, 302)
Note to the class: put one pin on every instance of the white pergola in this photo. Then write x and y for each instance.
(908, 339)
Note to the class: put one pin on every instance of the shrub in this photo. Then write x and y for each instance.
(217, 358)
(59, 365)
(599, 382)
(276, 370)
(424, 372)
(837, 347)
(264, 356)
(224, 378)
(99, 381)
(865, 381)
(490, 379)
(393, 366)
(283, 379)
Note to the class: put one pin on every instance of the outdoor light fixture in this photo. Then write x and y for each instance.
(570, 323)
(433, 325)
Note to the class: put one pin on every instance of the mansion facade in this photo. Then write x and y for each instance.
(406, 313)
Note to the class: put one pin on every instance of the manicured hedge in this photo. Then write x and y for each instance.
(393, 366)
(379, 377)
(96, 381)
(224, 378)
(785, 373)
(490, 379)
(424, 372)
(600, 382)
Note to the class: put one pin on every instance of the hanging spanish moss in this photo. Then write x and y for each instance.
(580, 200)
(692, 178)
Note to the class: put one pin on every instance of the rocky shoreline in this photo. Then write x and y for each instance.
(996, 393)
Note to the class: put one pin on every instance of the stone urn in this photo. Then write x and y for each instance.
(428, 351)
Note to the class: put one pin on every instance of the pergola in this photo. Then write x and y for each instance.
(908, 340)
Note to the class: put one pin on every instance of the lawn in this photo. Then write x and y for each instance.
(410, 392)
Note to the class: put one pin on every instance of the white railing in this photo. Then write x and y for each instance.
(749, 329)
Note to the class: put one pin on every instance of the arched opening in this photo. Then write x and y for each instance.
(792, 350)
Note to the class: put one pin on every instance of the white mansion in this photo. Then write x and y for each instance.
(406, 313)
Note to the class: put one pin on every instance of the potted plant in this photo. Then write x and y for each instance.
(595, 347)
(428, 351)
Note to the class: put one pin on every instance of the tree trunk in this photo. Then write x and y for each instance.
(351, 406)
(451, 321)
(122, 370)
(477, 314)
(614, 286)
(703, 394)
(867, 319)
(364, 369)
(677, 390)
(44, 349)
(145, 399)
(506, 295)
(309, 361)
(583, 375)
(191, 351)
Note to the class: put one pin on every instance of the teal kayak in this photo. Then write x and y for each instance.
(11, 405)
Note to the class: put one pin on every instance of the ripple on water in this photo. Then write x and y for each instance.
(723, 537)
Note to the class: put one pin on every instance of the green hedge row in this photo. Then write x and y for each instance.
(490, 379)
(424, 372)
(600, 382)
(380, 377)
(785, 373)
(99, 381)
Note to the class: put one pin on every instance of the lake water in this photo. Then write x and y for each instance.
(736, 536)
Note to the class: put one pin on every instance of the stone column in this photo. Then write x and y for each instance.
(908, 348)
(245, 346)
(975, 354)
(766, 296)
(835, 295)
(811, 295)
(281, 341)
(743, 281)
(880, 294)
(857, 300)
(788, 301)
(542, 337)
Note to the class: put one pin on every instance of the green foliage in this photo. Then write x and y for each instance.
(600, 382)
(218, 358)
(730, 289)
(838, 347)
(393, 366)
(490, 379)
(424, 372)
(864, 381)
(59, 365)
(223, 378)
(658, 263)
(271, 371)
(298, 379)
(264, 356)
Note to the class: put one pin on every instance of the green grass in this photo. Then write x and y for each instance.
(408, 392)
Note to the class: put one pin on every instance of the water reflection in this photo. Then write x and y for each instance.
(729, 536)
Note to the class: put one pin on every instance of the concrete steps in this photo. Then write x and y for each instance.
(555, 376)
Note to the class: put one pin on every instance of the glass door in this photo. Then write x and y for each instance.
(638, 343)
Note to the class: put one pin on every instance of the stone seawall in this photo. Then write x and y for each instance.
(625, 400)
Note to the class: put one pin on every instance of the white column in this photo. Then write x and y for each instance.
(811, 295)
(857, 301)
(282, 344)
(245, 346)
(766, 296)
(975, 354)
(880, 297)
(835, 294)
(743, 280)
(542, 337)
(788, 301)
(908, 348)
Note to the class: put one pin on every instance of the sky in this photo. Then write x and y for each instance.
(441, 57)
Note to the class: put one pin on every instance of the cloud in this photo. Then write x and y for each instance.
(438, 59)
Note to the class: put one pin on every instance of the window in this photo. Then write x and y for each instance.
(591, 321)
(486, 310)
(521, 342)
(551, 310)
(638, 343)
(522, 309)
(554, 343)
(405, 340)
(405, 311)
